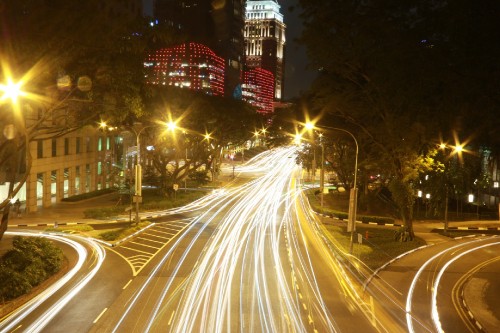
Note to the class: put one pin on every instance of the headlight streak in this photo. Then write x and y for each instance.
(409, 298)
(244, 219)
(245, 255)
(336, 254)
(435, 313)
(31, 305)
(306, 264)
(164, 259)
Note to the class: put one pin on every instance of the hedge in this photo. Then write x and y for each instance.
(89, 195)
(30, 262)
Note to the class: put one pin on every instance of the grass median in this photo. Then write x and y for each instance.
(378, 244)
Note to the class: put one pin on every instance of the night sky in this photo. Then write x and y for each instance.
(297, 77)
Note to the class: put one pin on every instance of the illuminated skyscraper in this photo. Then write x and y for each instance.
(217, 24)
(265, 40)
(258, 89)
(191, 65)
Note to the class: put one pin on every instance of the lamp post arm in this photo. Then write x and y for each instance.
(353, 196)
(357, 149)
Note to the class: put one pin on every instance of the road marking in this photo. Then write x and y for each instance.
(18, 327)
(150, 240)
(167, 228)
(165, 233)
(171, 317)
(136, 250)
(100, 315)
(150, 246)
(125, 286)
(156, 236)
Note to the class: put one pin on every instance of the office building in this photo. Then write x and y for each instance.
(265, 40)
(217, 24)
(191, 65)
(258, 89)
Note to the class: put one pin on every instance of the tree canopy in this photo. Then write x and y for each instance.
(401, 75)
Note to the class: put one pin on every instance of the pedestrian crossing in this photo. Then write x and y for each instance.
(139, 250)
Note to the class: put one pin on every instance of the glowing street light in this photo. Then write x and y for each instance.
(171, 126)
(354, 191)
(457, 149)
(297, 139)
(11, 90)
(137, 199)
(310, 127)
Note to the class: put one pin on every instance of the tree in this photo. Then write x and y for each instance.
(78, 64)
(400, 74)
(205, 125)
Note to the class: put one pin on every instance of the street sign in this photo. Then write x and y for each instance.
(176, 187)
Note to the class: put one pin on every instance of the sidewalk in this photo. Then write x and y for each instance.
(63, 212)
(68, 213)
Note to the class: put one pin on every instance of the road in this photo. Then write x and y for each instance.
(253, 261)
(428, 286)
(252, 257)
(85, 258)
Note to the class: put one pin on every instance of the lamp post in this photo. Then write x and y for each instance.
(455, 150)
(310, 128)
(137, 198)
(322, 172)
(12, 91)
(351, 226)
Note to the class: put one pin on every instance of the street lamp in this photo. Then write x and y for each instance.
(12, 91)
(137, 198)
(455, 150)
(172, 126)
(310, 127)
(351, 226)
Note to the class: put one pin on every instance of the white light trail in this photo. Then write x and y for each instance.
(416, 278)
(256, 271)
(435, 313)
(22, 312)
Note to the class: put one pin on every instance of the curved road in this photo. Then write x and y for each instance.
(428, 286)
(254, 261)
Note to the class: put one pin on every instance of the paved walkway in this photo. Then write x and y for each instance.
(64, 212)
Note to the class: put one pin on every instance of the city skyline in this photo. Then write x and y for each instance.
(297, 76)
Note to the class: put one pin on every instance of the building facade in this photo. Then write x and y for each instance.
(217, 24)
(191, 65)
(258, 89)
(265, 40)
(77, 163)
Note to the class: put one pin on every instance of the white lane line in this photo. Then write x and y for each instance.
(100, 315)
(126, 285)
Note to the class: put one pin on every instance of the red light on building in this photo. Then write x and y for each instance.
(190, 65)
(258, 89)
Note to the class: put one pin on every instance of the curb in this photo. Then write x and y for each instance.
(469, 312)
(360, 222)
(471, 228)
(43, 224)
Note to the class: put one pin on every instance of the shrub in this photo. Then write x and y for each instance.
(14, 284)
(89, 195)
(73, 228)
(110, 235)
(102, 213)
(200, 177)
(30, 262)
